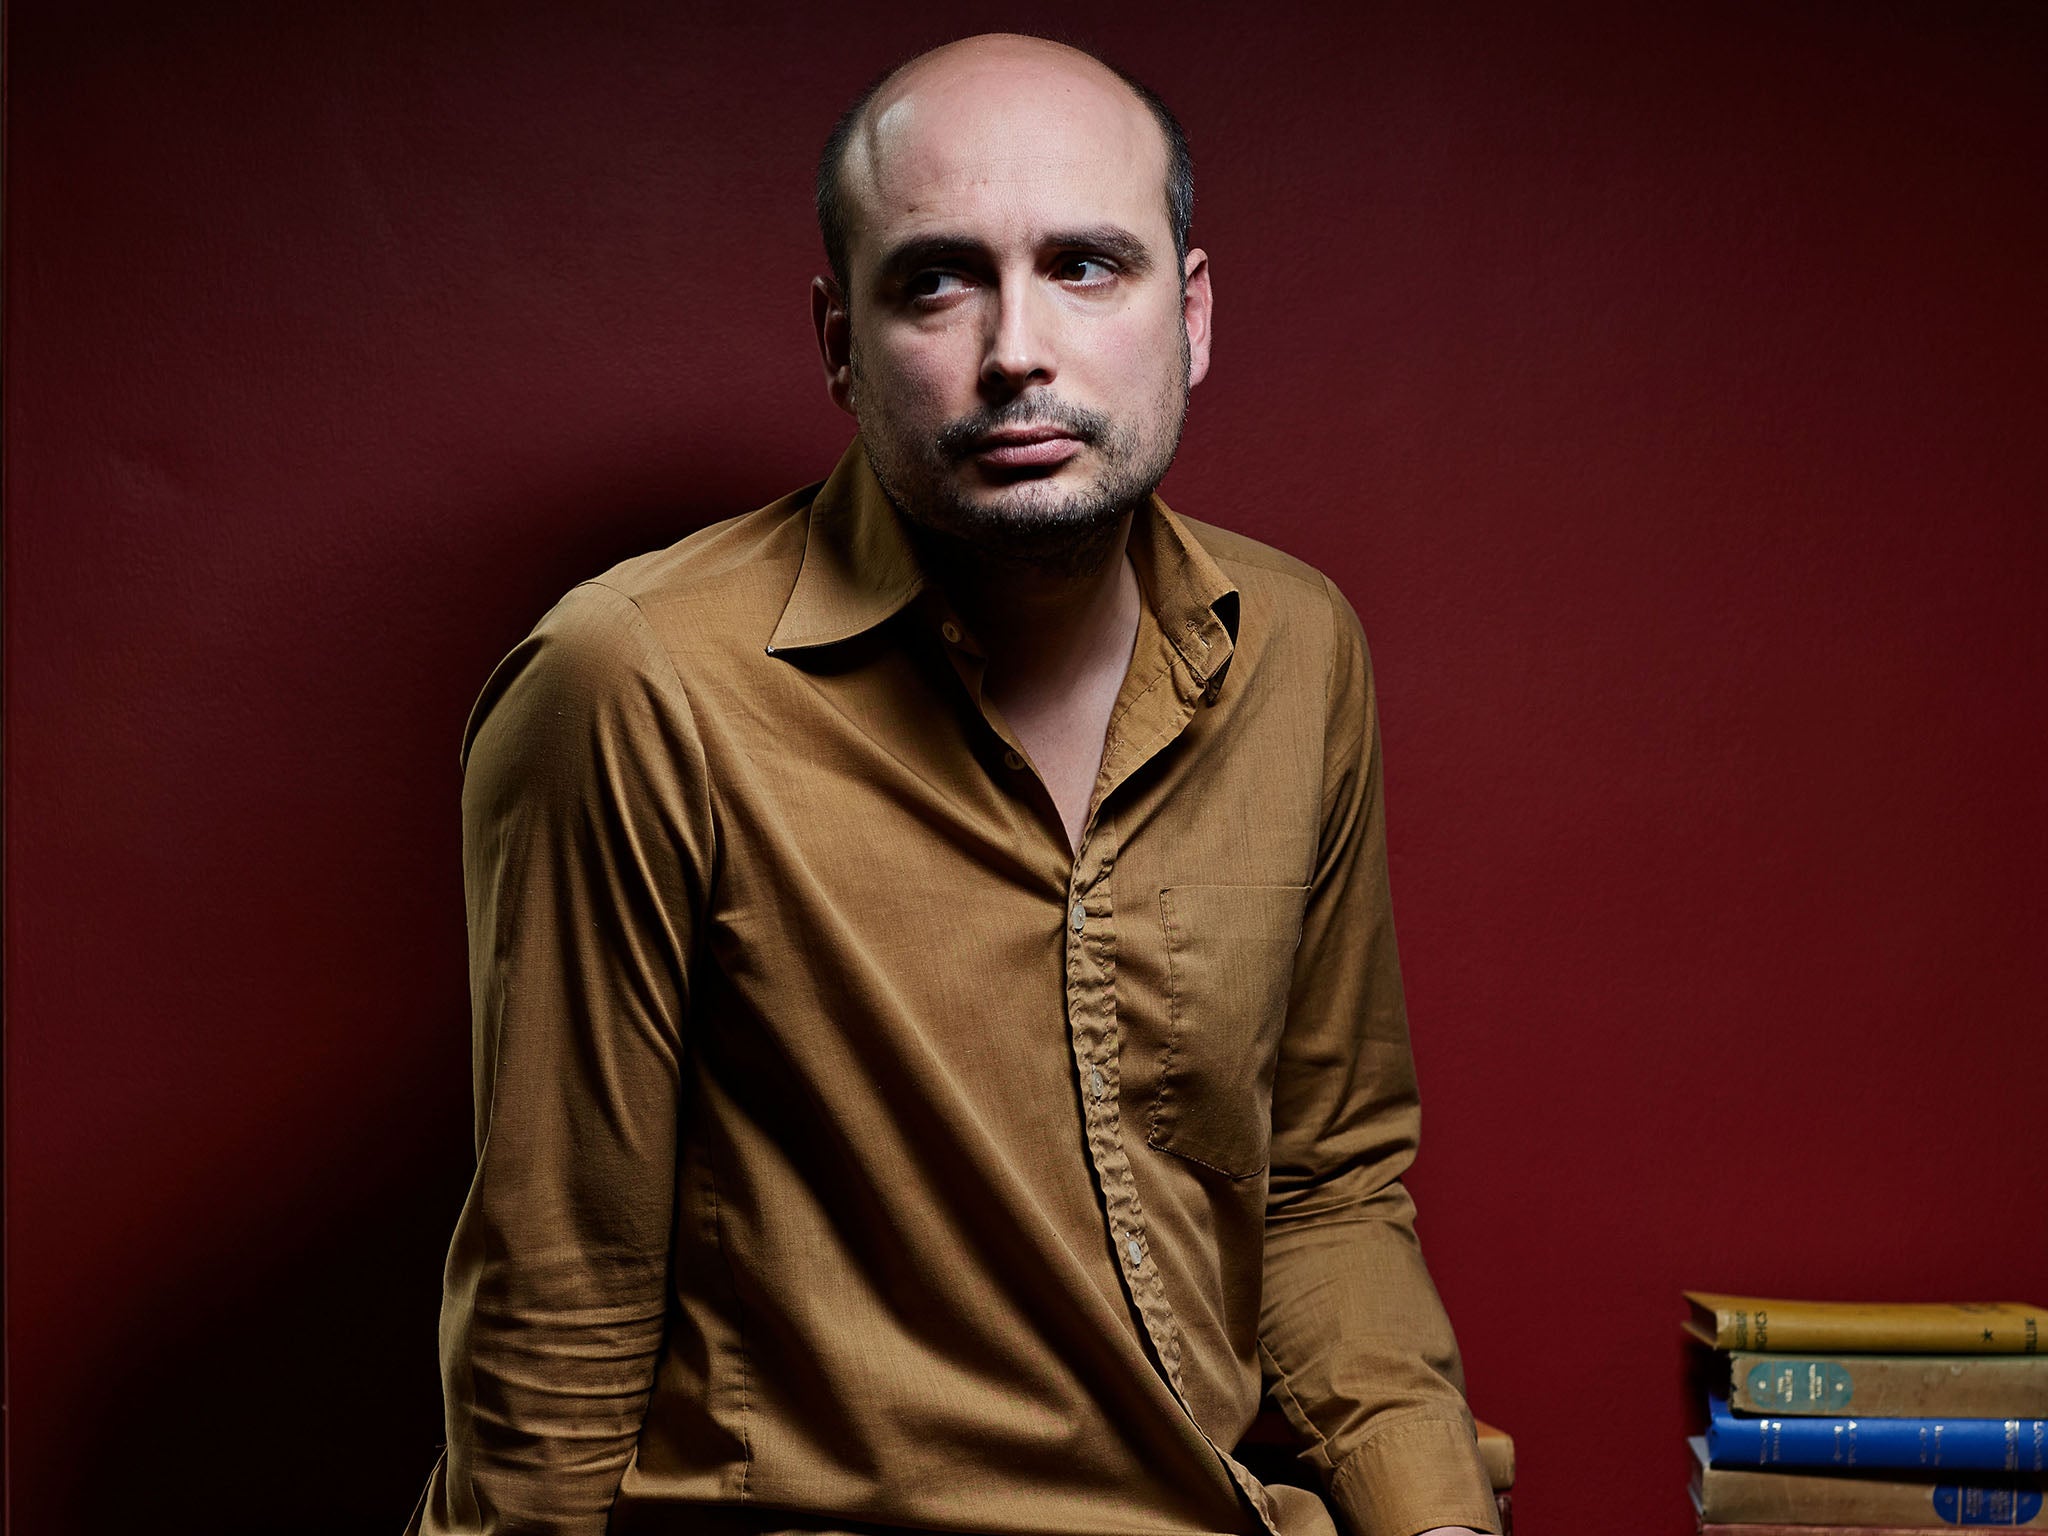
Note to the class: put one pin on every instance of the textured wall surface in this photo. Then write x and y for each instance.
(1664, 385)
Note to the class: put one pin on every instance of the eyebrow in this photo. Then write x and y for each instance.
(1111, 240)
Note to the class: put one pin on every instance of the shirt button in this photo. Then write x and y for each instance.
(1137, 1254)
(1098, 1082)
(951, 631)
(1013, 760)
(1079, 918)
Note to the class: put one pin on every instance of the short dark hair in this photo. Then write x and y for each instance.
(831, 193)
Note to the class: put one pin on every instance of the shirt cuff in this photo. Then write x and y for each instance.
(1413, 1475)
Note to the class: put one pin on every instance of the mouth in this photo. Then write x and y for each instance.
(1026, 448)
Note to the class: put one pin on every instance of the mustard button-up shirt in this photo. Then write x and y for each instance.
(852, 1153)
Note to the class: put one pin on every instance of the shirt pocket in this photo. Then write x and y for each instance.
(1229, 967)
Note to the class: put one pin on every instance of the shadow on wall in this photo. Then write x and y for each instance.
(289, 1384)
(275, 1368)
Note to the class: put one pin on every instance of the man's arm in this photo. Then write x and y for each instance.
(1351, 1330)
(586, 835)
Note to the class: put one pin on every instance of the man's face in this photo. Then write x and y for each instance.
(1017, 343)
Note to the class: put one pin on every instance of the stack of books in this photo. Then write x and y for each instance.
(1832, 1418)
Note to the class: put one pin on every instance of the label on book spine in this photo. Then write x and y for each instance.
(1987, 1506)
(1806, 1384)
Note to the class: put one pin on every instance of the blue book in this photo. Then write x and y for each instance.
(1959, 1445)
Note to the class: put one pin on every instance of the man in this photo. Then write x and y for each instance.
(939, 1038)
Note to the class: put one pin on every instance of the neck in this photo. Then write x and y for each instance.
(1038, 623)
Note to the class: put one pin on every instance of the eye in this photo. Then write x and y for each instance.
(924, 287)
(1084, 271)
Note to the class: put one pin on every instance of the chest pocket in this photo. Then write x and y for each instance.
(1229, 965)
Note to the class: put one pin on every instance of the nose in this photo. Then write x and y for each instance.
(1019, 348)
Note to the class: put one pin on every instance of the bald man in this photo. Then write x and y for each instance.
(939, 1046)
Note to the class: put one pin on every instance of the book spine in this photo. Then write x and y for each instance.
(1892, 1386)
(1945, 1445)
(1705, 1527)
(1821, 1498)
(1740, 1496)
(1969, 1328)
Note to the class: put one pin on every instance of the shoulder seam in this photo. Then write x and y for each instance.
(1255, 553)
(640, 618)
(688, 709)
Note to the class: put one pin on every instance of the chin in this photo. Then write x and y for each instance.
(1045, 502)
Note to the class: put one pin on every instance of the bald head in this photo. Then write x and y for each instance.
(981, 98)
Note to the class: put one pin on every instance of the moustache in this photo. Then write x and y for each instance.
(960, 438)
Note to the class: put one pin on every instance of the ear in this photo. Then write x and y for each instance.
(835, 340)
(1196, 308)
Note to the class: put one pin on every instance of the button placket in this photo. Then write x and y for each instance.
(1096, 1040)
(1154, 718)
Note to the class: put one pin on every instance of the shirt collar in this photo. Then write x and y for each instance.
(860, 569)
(1195, 604)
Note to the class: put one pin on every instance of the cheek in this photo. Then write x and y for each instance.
(1142, 350)
(918, 378)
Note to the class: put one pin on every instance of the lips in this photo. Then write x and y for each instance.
(1027, 448)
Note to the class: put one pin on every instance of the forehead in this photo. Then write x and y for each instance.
(1006, 153)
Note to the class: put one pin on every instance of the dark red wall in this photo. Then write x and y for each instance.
(1665, 385)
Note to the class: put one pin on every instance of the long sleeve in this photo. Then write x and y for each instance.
(587, 838)
(1362, 1355)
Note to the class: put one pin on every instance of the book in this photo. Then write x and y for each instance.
(1748, 1496)
(1890, 1386)
(1706, 1527)
(1903, 1328)
(1946, 1445)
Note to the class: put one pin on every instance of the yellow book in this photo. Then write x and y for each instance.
(1900, 1328)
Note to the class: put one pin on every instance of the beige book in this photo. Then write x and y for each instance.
(1941, 1328)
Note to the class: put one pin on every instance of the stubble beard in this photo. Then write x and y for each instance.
(1027, 524)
